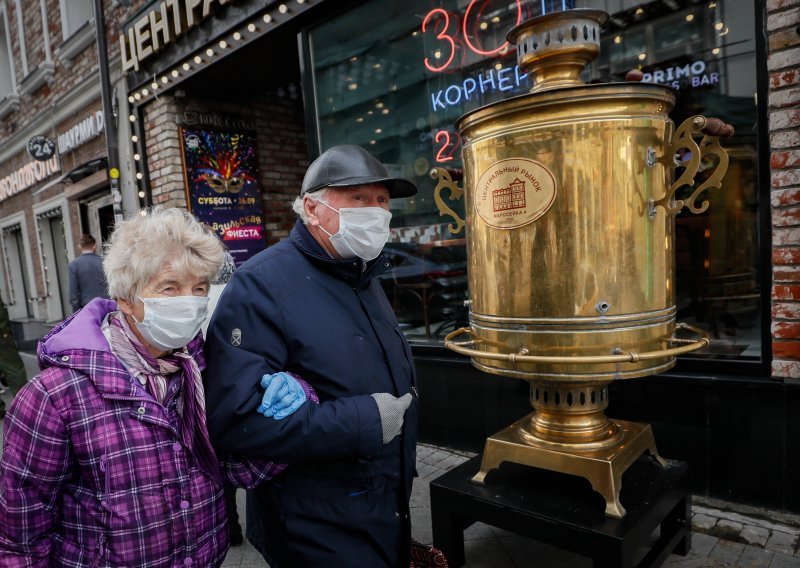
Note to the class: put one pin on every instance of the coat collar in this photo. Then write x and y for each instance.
(347, 269)
(78, 343)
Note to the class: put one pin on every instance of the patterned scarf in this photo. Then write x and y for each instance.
(154, 375)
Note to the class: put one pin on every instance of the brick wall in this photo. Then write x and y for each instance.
(67, 75)
(162, 144)
(283, 159)
(34, 38)
(783, 27)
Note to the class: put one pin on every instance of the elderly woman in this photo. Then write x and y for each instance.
(107, 459)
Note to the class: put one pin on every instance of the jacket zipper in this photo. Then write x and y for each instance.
(101, 551)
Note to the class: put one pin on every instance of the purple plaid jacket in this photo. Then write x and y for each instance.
(93, 471)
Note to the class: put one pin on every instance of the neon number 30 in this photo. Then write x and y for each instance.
(443, 155)
(442, 35)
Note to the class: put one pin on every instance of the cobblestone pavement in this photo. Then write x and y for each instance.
(725, 534)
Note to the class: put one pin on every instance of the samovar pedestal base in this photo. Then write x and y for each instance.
(602, 467)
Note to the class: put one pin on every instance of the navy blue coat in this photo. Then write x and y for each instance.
(86, 280)
(343, 500)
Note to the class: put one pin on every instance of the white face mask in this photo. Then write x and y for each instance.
(362, 231)
(171, 323)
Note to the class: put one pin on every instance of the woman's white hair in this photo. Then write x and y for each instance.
(141, 247)
(300, 209)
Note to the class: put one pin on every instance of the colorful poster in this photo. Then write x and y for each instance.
(221, 178)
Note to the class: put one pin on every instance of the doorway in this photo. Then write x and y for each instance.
(17, 283)
(54, 242)
(58, 242)
(97, 217)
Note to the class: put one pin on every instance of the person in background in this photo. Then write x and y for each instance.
(106, 458)
(312, 305)
(86, 280)
(11, 366)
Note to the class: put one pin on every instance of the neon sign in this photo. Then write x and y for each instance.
(479, 51)
(469, 27)
(442, 36)
(683, 76)
(459, 40)
(504, 79)
(456, 34)
(450, 141)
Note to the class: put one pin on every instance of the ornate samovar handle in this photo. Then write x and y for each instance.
(711, 129)
(446, 181)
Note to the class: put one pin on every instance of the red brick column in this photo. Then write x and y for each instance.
(162, 141)
(783, 63)
(283, 160)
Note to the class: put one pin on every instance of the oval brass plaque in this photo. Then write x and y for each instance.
(514, 192)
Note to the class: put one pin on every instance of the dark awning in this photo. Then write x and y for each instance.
(85, 169)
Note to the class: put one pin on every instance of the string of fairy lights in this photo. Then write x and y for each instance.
(194, 63)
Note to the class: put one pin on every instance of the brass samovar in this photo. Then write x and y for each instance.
(570, 216)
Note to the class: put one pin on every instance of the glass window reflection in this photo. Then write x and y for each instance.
(397, 84)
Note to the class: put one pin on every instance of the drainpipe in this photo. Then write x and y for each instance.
(108, 110)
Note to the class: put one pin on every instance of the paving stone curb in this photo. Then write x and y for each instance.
(745, 529)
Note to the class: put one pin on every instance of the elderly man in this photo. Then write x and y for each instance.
(311, 305)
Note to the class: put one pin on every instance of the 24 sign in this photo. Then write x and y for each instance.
(41, 148)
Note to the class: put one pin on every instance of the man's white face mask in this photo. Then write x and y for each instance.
(362, 231)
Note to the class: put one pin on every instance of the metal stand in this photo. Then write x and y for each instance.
(603, 467)
(563, 511)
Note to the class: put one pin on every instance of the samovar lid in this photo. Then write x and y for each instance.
(555, 48)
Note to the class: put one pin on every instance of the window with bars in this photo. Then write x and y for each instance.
(17, 279)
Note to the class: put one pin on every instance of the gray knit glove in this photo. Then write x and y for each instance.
(391, 410)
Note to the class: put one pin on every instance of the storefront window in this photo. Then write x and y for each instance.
(399, 81)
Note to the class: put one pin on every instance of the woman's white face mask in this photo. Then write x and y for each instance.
(171, 323)
(363, 231)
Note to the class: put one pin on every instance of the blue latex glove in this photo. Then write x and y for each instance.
(283, 395)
